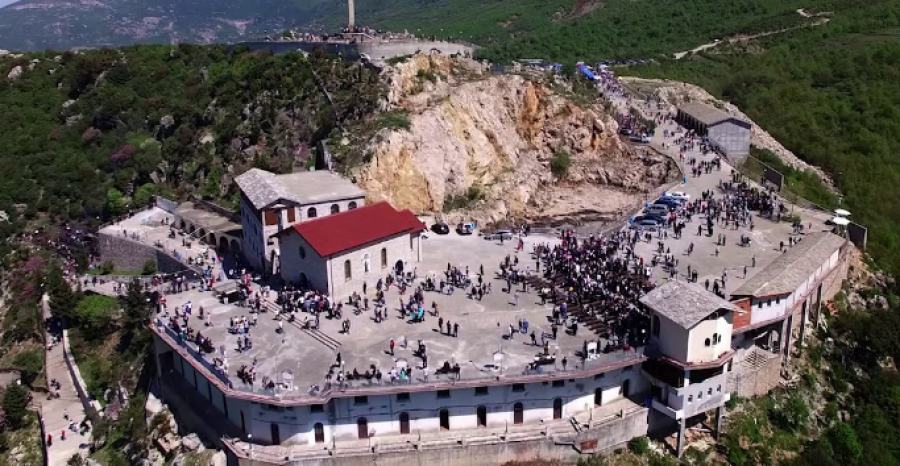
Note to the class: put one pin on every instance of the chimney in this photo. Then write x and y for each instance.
(352, 14)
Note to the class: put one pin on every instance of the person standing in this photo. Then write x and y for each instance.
(392, 346)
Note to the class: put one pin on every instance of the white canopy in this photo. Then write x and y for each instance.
(841, 212)
(840, 221)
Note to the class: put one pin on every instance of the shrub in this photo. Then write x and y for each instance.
(793, 415)
(31, 364)
(107, 267)
(149, 267)
(560, 163)
(395, 119)
(639, 445)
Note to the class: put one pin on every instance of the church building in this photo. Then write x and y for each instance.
(338, 253)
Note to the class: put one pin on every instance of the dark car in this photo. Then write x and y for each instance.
(440, 228)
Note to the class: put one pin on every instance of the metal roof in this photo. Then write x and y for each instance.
(707, 114)
(684, 303)
(792, 268)
(263, 188)
(351, 229)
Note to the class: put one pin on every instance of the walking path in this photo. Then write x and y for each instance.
(54, 411)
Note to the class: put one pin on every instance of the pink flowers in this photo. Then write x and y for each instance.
(123, 154)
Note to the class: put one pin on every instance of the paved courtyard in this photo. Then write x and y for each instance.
(483, 326)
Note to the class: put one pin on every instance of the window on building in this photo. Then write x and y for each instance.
(335, 209)
(559, 383)
(302, 251)
(717, 338)
(361, 400)
(411, 247)
(707, 342)
(292, 215)
(366, 261)
(690, 398)
(719, 389)
(481, 390)
(383, 258)
(271, 217)
(699, 396)
(403, 397)
(777, 300)
(769, 303)
(311, 212)
(443, 394)
(351, 205)
(518, 387)
(317, 408)
(348, 271)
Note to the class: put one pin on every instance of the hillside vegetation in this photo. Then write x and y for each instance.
(87, 134)
(828, 94)
(573, 30)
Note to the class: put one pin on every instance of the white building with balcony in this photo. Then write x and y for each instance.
(689, 353)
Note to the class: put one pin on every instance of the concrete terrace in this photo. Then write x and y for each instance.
(483, 326)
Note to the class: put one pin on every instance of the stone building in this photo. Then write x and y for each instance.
(338, 253)
(728, 133)
(690, 352)
(271, 203)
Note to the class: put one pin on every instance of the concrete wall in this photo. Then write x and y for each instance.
(672, 339)
(374, 49)
(383, 50)
(565, 448)
(348, 51)
(698, 351)
(328, 275)
(732, 137)
(129, 254)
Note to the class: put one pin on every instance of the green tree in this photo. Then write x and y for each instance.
(115, 202)
(62, 299)
(95, 315)
(15, 405)
(845, 443)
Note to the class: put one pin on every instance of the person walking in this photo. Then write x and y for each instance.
(392, 346)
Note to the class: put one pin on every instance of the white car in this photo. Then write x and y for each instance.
(680, 195)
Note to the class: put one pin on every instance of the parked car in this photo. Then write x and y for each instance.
(645, 225)
(655, 218)
(657, 209)
(496, 235)
(680, 195)
(464, 229)
(440, 228)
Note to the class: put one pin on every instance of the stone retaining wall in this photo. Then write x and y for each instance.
(128, 254)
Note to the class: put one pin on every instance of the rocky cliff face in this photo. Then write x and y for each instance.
(489, 140)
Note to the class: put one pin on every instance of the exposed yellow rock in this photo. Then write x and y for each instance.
(498, 135)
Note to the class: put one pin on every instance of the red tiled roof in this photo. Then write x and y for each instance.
(354, 228)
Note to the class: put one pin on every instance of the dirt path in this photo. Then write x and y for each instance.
(822, 19)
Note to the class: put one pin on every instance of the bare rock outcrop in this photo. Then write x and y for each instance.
(489, 140)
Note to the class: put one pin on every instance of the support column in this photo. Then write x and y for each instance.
(679, 447)
(804, 317)
(786, 336)
(720, 415)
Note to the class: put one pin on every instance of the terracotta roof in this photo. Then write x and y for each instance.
(354, 228)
